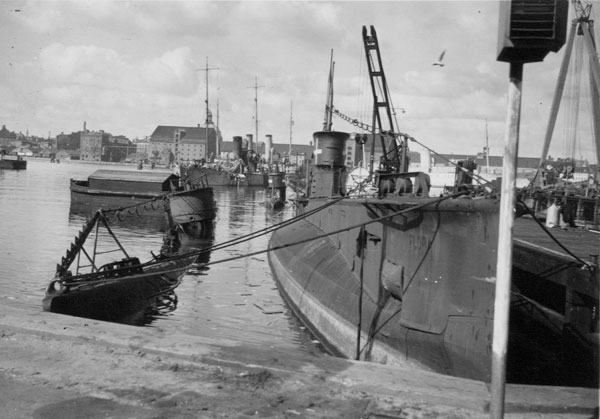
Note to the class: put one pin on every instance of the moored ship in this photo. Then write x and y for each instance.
(413, 273)
(123, 184)
(397, 277)
(12, 162)
(384, 272)
(193, 207)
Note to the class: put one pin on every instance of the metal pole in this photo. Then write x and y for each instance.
(255, 114)
(291, 125)
(504, 262)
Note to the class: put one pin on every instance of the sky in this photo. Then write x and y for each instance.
(127, 66)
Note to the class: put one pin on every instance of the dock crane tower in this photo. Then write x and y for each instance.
(395, 157)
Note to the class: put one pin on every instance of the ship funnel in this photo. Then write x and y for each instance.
(268, 147)
(249, 141)
(237, 147)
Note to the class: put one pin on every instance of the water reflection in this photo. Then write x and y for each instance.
(192, 244)
(151, 310)
(145, 311)
(244, 204)
(164, 304)
(236, 299)
(141, 227)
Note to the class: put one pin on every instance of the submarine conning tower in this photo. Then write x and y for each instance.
(328, 176)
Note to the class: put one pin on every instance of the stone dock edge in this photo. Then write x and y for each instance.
(52, 364)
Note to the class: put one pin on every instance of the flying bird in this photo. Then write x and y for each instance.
(439, 61)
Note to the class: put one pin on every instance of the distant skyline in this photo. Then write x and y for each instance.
(127, 66)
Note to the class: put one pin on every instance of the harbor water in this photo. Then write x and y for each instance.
(236, 299)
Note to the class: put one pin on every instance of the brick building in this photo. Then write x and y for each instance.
(7, 138)
(186, 144)
(91, 145)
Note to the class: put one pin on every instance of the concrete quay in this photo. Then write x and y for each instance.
(61, 367)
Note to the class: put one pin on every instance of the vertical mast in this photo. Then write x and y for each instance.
(218, 146)
(487, 149)
(206, 121)
(255, 111)
(206, 69)
(329, 105)
(291, 124)
(255, 87)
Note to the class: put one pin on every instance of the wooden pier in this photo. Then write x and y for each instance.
(563, 279)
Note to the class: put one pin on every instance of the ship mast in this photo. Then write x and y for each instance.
(218, 146)
(291, 125)
(329, 103)
(255, 87)
(206, 69)
(487, 149)
(206, 120)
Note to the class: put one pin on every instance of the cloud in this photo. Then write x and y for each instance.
(80, 64)
(40, 21)
(173, 72)
(127, 66)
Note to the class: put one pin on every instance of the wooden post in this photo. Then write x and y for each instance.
(504, 262)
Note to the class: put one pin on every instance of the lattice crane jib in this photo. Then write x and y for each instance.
(395, 149)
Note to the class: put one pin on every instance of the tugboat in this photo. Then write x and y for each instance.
(11, 162)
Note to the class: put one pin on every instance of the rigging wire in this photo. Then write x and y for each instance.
(239, 240)
(554, 239)
(481, 180)
(296, 219)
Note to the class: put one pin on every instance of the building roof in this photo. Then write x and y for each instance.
(132, 176)
(192, 134)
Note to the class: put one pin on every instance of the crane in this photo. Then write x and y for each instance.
(395, 149)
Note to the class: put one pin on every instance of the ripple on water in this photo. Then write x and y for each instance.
(225, 300)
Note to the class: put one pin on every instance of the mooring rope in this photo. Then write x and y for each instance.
(285, 223)
(317, 237)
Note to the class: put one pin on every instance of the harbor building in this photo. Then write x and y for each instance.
(91, 145)
(186, 144)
